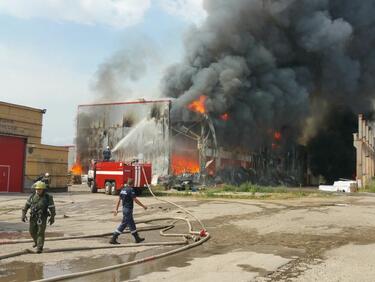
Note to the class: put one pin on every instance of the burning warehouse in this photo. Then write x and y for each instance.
(289, 77)
(141, 130)
(281, 83)
(145, 130)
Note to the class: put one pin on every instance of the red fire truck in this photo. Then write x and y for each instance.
(112, 176)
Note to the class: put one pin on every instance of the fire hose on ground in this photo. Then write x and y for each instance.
(198, 238)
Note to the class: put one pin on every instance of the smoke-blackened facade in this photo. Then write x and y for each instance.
(133, 130)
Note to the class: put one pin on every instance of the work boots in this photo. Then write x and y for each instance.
(113, 240)
(39, 250)
(137, 238)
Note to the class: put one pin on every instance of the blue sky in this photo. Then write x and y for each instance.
(50, 51)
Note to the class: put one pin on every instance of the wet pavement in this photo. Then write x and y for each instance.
(296, 235)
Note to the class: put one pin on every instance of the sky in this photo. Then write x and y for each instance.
(51, 51)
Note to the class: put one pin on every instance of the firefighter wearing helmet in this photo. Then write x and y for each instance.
(46, 178)
(107, 154)
(41, 207)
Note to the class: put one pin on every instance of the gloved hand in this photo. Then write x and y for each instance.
(51, 220)
(24, 217)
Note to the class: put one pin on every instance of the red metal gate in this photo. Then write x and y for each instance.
(12, 159)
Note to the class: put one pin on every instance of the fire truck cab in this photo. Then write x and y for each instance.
(112, 176)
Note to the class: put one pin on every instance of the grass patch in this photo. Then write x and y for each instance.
(244, 191)
(251, 188)
(370, 187)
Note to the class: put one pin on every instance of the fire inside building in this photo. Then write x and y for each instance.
(148, 131)
(267, 92)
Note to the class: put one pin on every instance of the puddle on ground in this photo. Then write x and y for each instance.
(21, 271)
(225, 238)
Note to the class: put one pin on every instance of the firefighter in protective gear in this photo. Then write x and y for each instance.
(107, 154)
(127, 196)
(44, 178)
(41, 207)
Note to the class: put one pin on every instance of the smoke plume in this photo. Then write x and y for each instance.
(285, 66)
(114, 77)
(276, 65)
(112, 83)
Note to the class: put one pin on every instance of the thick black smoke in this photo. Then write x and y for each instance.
(277, 65)
(304, 68)
(331, 152)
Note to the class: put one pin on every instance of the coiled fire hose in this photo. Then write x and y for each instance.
(199, 237)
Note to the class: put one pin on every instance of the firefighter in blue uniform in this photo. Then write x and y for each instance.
(127, 196)
(41, 206)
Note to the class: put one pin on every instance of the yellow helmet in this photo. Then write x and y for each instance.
(39, 185)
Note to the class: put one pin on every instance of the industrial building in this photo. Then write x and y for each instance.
(137, 129)
(145, 130)
(365, 152)
(148, 130)
(22, 155)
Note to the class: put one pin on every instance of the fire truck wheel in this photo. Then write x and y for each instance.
(113, 189)
(108, 186)
(93, 187)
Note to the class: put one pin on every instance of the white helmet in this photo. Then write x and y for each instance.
(107, 147)
(46, 174)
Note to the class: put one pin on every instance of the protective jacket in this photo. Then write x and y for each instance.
(40, 206)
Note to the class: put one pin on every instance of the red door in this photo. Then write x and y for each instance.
(4, 178)
(12, 159)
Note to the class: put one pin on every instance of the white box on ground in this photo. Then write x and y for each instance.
(347, 186)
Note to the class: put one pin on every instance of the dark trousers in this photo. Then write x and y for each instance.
(127, 221)
(37, 231)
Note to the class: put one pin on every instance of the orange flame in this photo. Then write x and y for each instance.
(224, 116)
(76, 169)
(198, 105)
(277, 136)
(181, 164)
